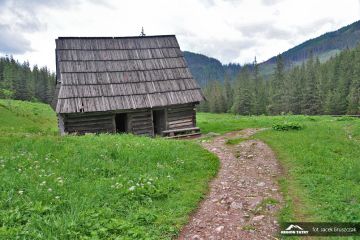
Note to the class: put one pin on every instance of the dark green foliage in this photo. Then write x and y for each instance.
(25, 83)
(277, 90)
(243, 93)
(313, 88)
(205, 69)
(324, 47)
(286, 126)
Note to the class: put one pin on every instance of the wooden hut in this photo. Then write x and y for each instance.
(138, 85)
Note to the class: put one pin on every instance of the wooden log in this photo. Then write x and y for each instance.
(140, 114)
(86, 115)
(141, 124)
(181, 121)
(88, 123)
(87, 119)
(180, 118)
(182, 129)
(92, 129)
(180, 114)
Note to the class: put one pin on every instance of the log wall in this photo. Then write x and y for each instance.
(88, 122)
(181, 116)
(140, 122)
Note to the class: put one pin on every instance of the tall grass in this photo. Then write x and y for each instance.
(94, 186)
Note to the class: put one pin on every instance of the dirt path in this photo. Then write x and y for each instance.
(244, 197)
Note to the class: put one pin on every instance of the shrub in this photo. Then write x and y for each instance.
(286, 126)
(345, 118)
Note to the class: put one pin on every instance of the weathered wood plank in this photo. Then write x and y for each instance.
(106, 128)
(181, 121)
(182, 129)
(92, 119)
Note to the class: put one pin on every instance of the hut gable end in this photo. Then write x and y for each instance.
(97, 74)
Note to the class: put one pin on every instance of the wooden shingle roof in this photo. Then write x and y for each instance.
(106, 74)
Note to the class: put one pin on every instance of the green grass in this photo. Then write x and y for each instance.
(321, 162)
(93, 186)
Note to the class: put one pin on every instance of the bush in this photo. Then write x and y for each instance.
(286, 126)
(345, 118)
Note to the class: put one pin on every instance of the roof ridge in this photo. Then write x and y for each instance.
(148, 36)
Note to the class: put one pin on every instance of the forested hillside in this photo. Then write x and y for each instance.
(20, 81)
(205, 69)
(312, 88)
(323, 47)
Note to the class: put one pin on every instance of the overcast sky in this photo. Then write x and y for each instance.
(229, 30)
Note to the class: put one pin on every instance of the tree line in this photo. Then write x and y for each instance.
(312, 88)
(20, 81)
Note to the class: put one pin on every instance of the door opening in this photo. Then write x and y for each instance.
(159, 121)
(121, 122)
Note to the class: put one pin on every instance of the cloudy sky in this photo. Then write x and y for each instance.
(229, 30)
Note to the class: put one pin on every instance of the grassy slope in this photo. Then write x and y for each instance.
(322, 181)
(93, 186)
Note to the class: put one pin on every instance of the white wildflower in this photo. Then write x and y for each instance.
(57, 197)
(20, 192)
(43, 183)
(132, 188)
(50, 190)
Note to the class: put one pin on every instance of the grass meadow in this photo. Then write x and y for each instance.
(128, 187)
(93, 186)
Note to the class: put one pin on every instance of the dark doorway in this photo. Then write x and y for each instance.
(120, 122)
(159, 121)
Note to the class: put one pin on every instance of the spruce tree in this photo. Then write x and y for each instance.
(277, 88)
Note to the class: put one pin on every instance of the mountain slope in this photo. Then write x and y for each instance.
(205, 68)
(323, 47)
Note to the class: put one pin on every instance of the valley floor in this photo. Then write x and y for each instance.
(128, 187)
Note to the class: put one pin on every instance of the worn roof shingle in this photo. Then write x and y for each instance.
(105, 74)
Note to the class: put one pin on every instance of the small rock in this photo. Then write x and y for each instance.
(214, 149)
(246, 215)
(196, 237)
(274, 189)
(258, 218)
(219, 229)
(250, 156)
(260, 184)
(235, 205)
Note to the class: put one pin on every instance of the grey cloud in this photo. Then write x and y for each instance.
(309, 28)
(13, 42)
(270, 2)
(264, 30)
(223, 49)
(24, 19)
(211, 3)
